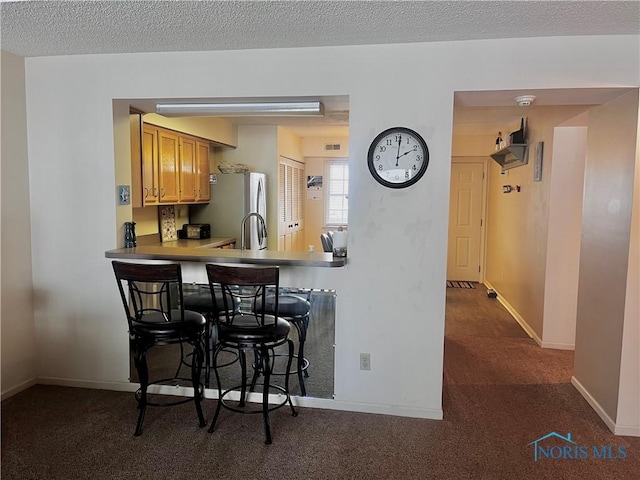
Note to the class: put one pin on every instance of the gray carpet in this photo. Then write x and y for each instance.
(500, 394)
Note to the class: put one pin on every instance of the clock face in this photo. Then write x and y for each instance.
(398, 157)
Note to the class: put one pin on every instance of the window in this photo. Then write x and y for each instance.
(337, 193)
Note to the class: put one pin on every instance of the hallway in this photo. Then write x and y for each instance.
(508, 392)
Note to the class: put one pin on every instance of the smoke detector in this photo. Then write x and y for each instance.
(525, 100)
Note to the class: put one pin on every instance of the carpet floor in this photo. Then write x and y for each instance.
(500, 394)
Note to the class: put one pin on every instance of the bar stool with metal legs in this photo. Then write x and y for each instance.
(296, 310)
(249, 330)
(156, 316)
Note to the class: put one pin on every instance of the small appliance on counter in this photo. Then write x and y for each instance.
(195, 231)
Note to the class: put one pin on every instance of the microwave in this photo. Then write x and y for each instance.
(195, 231)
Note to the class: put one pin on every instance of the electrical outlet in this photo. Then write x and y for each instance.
(365, 361)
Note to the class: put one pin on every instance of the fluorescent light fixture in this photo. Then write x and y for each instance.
(241, 109)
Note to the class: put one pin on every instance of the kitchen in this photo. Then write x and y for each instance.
(285, 149)
(172, 162)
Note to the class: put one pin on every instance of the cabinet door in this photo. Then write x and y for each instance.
(150, 188)
(203, 189)
(187, 169)
(291, 187)
(135, 136)
(297, 203)
(168, 167)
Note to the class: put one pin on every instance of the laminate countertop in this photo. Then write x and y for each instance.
(209, 251)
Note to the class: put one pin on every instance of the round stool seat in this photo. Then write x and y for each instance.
(288, 306)
(202, 302)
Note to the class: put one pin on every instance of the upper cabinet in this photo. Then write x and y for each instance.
(168, 167)
(188, 170)
(203, 188)
(174, 167)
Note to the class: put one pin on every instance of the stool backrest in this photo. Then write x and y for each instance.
(154, 292)
(245, 286)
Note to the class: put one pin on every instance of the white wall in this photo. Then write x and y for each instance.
(18, 336)
(563, 236)
(605, 253)
(390, 296)
(628, 418)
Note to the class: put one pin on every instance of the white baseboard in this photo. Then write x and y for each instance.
(212, 393)
(627, 430)
(559, 346)
(514, 313)
(18, 388)
(623, 430)
(594, 404)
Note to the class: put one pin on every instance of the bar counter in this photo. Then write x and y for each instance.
(209, 251)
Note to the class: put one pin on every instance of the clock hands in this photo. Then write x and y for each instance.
(398, 154)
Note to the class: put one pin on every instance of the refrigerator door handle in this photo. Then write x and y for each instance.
(262, 227)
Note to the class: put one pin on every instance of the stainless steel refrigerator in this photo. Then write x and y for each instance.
(233, 196)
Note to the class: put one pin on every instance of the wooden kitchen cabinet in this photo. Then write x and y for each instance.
(168, 167)
(203, 188)
(150, 188)
(175, 167)
(291, 187)
(160, 174)
(188, 169)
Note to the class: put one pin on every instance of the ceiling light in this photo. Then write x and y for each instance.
(282, 109)
(525, 100)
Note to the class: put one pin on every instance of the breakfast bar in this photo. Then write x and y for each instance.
(315, 273)
(207, 251)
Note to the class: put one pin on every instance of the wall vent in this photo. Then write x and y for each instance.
(332, 146)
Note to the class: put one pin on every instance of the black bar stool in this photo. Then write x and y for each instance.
(249, 329)
(156, 316)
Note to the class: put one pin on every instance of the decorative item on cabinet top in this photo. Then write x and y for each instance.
(227, 167)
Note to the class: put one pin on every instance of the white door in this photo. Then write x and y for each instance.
(465, 222)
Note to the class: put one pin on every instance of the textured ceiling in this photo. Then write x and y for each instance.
(42, 28)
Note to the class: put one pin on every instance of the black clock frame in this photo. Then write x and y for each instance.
(374, 145)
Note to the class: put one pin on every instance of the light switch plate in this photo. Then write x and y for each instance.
(124, 194)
